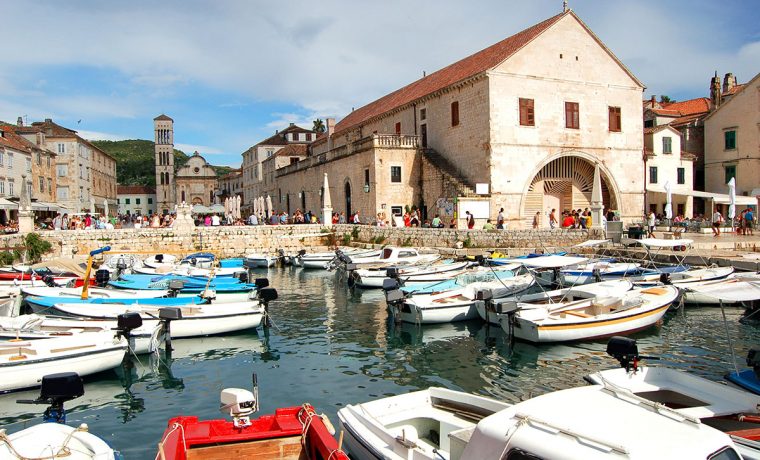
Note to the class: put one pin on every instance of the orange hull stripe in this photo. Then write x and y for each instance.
(603, 322)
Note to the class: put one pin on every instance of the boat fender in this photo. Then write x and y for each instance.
(208, 294)
(328, 424)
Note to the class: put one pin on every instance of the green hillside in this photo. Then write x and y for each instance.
(135, 160)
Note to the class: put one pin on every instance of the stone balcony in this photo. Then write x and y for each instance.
(374, 141)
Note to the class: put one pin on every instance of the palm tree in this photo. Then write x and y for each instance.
(319, 126)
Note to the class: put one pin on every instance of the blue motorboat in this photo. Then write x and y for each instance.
(748, 379)
(233, 262)
(220, 284)
(48, 301)
(198, 257)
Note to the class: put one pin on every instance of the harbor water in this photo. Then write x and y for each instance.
(331, 346)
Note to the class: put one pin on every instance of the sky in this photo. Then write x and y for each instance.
(231, 72)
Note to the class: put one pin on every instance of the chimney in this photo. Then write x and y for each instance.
(48, 120)
(292, 124)
(729, 81)
(19, 121)
(329, 130)
(654, 101)
(715, 91)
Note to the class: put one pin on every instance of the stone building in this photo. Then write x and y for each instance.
(136, 199)
(163, 129)
(521, 125)
(668, 165)
(196, 181)
(231, 184)
(43, 163)
(254, 157)
(85, 175)
(288, 155)
(732, 143)
(15, 171)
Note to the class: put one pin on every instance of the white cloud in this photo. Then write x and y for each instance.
(201, 149)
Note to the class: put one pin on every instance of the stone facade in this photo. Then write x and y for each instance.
(166, 194)
(136, 199)
(231, 184)
(675, 167)
(103, 181)
(196, 182)
(732, 142)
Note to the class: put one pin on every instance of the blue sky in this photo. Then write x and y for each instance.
(230, 72)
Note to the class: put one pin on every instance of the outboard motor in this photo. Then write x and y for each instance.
(395, 300)
(261, 283)
(480, 260)
(121, 266)
(626, 352)
(166, 315)
(597, 274)
(753, 361)
(125, 324)
(102, 277)
(159, 258)
(48, 280)
(175, 286)
(240, 404)
(665, 278)
(56, 389)
(243, 277)
(390, 284)
(266, 295)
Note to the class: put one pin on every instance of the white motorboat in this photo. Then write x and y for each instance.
(160, 259)
(686, 277)
(591, 318)
(414, 425)
(321, 260)
(388, 256)
(260, 260)
(94, 292)
(564, 295)
(736, 288)
(455, 304)
(187, 321)
(53, 439)
(24, 362)
(141, 339)
(591, 422)
(116, 264)
(596, 270)
(414, 274)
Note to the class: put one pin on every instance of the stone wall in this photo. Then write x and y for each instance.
(240, 241)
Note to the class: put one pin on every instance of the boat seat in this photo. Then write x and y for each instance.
(576, 313)
(458, 440)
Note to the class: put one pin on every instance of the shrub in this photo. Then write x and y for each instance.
(35, 247)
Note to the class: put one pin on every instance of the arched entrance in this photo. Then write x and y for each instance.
(565, 183)
(197, 200)
(347, 189)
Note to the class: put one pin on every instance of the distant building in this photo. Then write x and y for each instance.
(732, 143)
(254, 157)
(288, 155)
(231, 184)
(196, 181)
(15, 165)
(136, 199)
(521, 125)
(163, 130)
(667, 164)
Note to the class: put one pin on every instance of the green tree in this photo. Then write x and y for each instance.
(319, 126)
(666, 99)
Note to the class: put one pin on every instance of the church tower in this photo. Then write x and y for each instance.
(163, 127)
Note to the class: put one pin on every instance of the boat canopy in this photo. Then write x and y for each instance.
(591, 243)
(551, 261)
(661, 243)
(731, 290)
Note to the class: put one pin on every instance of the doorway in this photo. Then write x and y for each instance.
(423, 133)
(347, 189)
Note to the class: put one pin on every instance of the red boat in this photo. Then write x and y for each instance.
(290, 433)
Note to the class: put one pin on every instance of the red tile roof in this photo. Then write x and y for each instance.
(734, 90)
(163, 117)
(12, 140)
(692, 106)
(461, 70)
(279, 137)
(291, 150)
(666, 112)
(135, 190)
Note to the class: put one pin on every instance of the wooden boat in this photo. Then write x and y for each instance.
(93, 292)
(53, 439)
(141, 339)
(414, 274)
(290, 433)
(24, 362)
(417, 425)
(732, 410)
(592, 318)
(456, 304)
(557, 296)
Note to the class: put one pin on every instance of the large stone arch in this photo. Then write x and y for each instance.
(565, 181)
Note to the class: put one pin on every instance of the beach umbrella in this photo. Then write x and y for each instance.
(732, 198)
(105, 206)
(238, 215)
(269, 206)
(256, 206)
(262, 208)
(668, 201)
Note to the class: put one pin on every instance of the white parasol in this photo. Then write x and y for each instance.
(105, 206)
(269, 206)
(732, 199)
(92, 205)
(668, 201)
(237, 207)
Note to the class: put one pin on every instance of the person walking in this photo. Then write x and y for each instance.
(536, 219)
(749, 221)
(57, 221)
(650, 224)
(717, 219)
(500, 220)
(470, 220)
(553, 219)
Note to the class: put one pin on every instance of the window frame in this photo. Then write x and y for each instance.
(615, 119)
(527, 111)
(729, 134)
(572, 115)
(680, 176)
(399, 176)
(455, 113)
(667, 145)
(653, 175)
(727, 175)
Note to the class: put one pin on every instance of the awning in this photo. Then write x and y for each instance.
(6, 204)
(718, 198)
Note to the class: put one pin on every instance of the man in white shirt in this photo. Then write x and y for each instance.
(717, 219)
(650, 224)
(215, 220)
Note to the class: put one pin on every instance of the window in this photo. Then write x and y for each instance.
(50, 185)
(293, 160)
(649, 123)
(667, 145)
(395, 173)
(681, 175)
(29, 188)
(10, 188)
(61, 148)
(39, 158)
(527, 117)
(455, 113)
(308, 137)
(28, 164)
(730, 173)
(398, 128)
(81, 194)
(572, 115)
(2, 187)
(118, 201)
(270, 152)
(653, 174)
(42, 185)
(614, 116)
(10, 161)
(137, 201)
(127, 200)
(397, 210)
(295, 136)
(48, 161)
(2, 158)
(62, 193)
(150, 200)
(729, 139)
(423, 114)
(62, 170)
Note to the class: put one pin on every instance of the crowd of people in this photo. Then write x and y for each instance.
(573, 218)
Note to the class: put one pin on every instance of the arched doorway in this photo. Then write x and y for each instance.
(565, 183)
(347, 189)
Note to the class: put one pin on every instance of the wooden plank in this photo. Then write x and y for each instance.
(280, 448)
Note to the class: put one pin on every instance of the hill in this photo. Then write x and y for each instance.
(134, 160)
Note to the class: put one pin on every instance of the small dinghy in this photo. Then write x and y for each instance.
(407, 275)
(54, 439)
(455, 304)
(290, 433)
(728, 409)
(388, 257)
(586, 291)
(473, 275)
(141, 338)
(417, 425)
(322, 260)
(24, 362)
(587, 319)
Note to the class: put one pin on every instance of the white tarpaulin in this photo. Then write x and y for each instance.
(552, 261)
(660, 243)
(591, 243)
(729, 290)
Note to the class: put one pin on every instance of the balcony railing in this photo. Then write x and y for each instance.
(392, 141)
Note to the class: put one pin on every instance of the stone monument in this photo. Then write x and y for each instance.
(326, 203)
(183, 222)
(25, 213)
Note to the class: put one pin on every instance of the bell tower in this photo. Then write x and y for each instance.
(163, 128)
